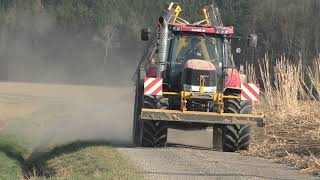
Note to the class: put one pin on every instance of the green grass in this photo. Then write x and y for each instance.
(82, 160)
(9, 169)
(11, 158)
(79, 160)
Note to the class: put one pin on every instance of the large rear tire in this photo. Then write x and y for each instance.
(136, 134)
(154, 133)
(236, 137)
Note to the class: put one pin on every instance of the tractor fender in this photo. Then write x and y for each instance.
(231, 90)
(232, 78)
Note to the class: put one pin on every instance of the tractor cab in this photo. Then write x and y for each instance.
(195, 52)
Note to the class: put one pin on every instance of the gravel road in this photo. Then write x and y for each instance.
(196, 160)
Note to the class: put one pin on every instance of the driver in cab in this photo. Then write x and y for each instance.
(194, 52)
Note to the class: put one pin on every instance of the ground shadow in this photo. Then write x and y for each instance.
(177, 145)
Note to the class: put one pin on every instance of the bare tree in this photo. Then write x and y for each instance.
(37, 6)
(107, 36)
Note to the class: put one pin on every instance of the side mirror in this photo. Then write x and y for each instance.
(145, 34)
(253, 40)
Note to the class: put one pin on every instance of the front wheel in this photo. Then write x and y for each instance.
(236, 137)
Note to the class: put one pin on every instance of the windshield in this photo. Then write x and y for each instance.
(193, 46)
(202, 47)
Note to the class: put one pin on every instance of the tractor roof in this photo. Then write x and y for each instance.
(202, 29)
(211, 24)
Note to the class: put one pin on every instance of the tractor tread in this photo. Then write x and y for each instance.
(154, 133)
(236, 137)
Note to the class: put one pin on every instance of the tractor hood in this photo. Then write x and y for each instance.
(194, 70)
(197, 64)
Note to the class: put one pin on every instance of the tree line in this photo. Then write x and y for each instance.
(289, 27)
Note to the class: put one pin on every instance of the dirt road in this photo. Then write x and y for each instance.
(196, 160)
(61, 114)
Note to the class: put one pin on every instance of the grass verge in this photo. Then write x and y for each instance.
(81, 160)
(11, 158)
(78, 160)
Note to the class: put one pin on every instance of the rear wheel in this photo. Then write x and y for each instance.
(236, 137)
(154, 133)
(137, 111)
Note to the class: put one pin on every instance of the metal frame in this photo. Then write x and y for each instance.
(175, 8)
(216, 97)
(201, 117)
(218, 117)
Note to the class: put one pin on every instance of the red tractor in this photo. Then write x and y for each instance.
(187, 79)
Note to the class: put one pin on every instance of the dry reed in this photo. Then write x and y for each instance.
(251, 74)
(292, 132)
(314, 75)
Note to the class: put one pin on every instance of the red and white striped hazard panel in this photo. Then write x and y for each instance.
(153, 86)
(250, 92)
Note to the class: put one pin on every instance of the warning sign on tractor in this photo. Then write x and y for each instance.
(153, 86)
(250, 92)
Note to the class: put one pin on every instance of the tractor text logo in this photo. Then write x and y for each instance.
(198, 30)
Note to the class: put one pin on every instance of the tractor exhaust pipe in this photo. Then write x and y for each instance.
(162, 49)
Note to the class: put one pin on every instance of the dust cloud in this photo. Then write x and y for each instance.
(76, 93)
